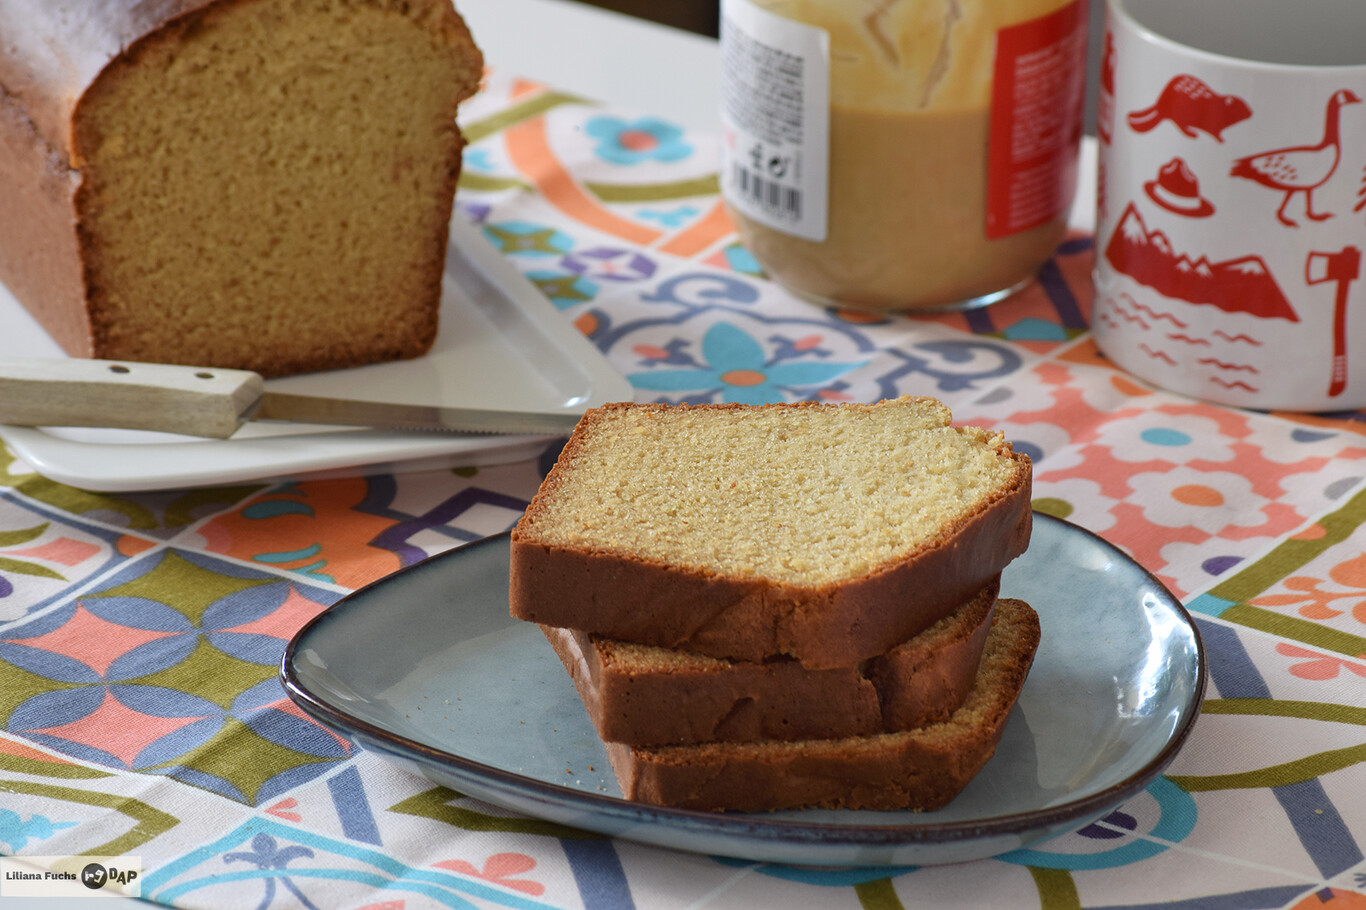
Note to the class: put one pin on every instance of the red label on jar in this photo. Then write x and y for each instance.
(1038, 92)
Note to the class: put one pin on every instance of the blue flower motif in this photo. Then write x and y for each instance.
(266, 853)
(477, 159)
(16, 832)
(670, 219)
(742, 260)
(738, 368)
(631, 142)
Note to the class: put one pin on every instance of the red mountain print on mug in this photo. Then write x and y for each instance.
(1242, 285)
(1192, 105)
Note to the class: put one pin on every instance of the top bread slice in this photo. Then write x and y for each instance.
(827, 533)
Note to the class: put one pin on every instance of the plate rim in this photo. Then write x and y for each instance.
(754, 826)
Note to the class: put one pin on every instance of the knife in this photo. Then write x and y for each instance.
(214, 402)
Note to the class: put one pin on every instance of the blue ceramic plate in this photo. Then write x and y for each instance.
(426, 669)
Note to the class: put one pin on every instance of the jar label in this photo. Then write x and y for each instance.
(1038, 87)
(775, 116)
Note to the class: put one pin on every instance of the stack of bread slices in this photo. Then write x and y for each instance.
(784, 606)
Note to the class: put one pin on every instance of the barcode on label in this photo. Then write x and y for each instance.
(775, 198)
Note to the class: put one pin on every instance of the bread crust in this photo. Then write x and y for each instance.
(645, 696)
(750, 619)
(922, 769)
(56, 52)
(56, 56)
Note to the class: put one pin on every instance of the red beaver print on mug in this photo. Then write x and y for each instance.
(1192, 105)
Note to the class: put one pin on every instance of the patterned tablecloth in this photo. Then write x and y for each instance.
(140, 634)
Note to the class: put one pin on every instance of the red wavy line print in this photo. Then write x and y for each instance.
(1199, 342)
(1234, 385)
(1116, 305)
(1246, 339)
(1155, 314)
(1234, 367)
(1131, 317)
(1157, 355)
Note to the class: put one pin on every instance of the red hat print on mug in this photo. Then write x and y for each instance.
(1177, 190)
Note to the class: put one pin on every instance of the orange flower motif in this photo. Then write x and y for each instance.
(1316, 603)
(1316, 665)
(316, 529)
(500, 869)
(1318, 600)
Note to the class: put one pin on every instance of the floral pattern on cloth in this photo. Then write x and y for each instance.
(140, 634)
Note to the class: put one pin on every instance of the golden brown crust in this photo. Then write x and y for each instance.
(652, 602)
(57, 56)
(52, 53)
(54, 50)
(642, 695)
(922, 769)
(40, 259)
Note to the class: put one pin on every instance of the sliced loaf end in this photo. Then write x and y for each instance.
(644, 695)
(922, 769)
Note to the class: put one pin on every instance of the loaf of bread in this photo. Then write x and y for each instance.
(827, 533)
(262, 184)
(923, 768)
(643, 695)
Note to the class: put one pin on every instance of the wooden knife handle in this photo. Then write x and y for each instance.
(197, 401)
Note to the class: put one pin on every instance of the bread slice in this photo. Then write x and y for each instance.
(644, 695)
(917, 769)
(829, 533)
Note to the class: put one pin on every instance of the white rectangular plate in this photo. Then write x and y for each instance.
(501, 344)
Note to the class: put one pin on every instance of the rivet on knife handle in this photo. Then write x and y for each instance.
(196, 401)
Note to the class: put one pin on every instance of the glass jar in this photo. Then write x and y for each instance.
(902, 154)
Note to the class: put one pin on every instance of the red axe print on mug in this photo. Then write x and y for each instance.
(1192, 105)
(1342, 267)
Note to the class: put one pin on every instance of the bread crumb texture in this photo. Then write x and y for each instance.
(268, 176)
(802, 494)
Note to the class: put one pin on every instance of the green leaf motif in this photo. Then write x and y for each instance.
(19, 567)
(483, 183)
(23, 535)
(1269, 707)
(436, 805)
(707, 185)
(1291, 772)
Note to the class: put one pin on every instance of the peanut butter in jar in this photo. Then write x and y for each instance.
(902, 154)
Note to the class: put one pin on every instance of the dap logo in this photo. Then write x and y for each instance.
(96, 875)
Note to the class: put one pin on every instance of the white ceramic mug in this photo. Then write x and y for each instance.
(1231, 209)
